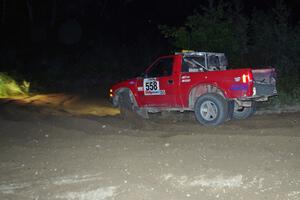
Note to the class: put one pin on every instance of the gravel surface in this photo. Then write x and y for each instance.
(48, 152)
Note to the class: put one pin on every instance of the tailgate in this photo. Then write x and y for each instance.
(264, 82)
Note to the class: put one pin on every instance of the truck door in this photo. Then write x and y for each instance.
(158, 87)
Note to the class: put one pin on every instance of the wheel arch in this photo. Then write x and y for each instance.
(202, 89)
(123, 89)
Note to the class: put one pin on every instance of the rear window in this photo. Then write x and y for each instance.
(193, 64)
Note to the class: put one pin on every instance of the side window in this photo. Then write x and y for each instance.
(162, 67)
(193, 64)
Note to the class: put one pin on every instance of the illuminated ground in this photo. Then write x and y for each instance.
(71, 104)
(58, 147)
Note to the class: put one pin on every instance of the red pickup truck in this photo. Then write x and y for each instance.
(199, 82)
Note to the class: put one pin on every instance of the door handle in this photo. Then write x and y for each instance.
(170, 81)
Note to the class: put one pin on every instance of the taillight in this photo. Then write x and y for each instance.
(250, 76)
(244, 78)
(247, 78)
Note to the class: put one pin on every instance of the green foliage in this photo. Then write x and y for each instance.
(219, 29)
(264, 38)
(9, 87)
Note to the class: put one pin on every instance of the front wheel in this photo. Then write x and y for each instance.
(211, 109)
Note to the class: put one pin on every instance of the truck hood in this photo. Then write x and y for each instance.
(128, 83)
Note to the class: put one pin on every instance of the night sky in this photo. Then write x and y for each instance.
(121, 18)
(105, 40)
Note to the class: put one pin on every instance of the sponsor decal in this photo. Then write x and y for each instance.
(237, 79)
(140, 89)
(239, 87)
(186, 80)
(183, 77)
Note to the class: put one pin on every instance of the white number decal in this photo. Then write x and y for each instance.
(151, 87)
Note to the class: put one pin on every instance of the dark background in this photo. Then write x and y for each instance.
(87, 45)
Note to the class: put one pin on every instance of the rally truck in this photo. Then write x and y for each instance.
(199, 82)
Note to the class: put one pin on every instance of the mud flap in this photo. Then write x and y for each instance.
(230, 110)
(128, 109)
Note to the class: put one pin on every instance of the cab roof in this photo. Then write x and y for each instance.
(198, 53)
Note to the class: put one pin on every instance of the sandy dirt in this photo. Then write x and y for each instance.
(65, 147)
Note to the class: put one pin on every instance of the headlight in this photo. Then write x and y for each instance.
(111, 93)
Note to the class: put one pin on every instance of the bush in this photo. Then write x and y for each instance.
(9, 87)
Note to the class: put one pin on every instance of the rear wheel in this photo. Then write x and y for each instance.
(243, 112)
(211, 109)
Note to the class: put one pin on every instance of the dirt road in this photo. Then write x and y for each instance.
(50, 152)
